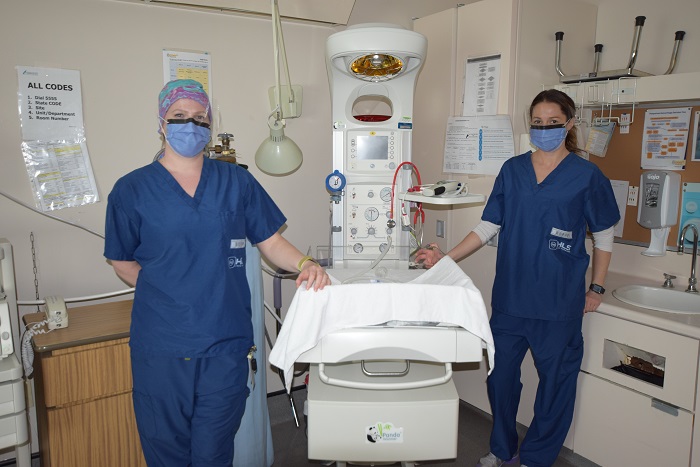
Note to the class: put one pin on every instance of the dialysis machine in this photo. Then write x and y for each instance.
(372, 70)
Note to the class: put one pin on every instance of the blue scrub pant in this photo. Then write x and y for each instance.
(557, 350)
(188, 410)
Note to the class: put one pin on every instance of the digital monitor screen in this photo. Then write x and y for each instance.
(372, 147)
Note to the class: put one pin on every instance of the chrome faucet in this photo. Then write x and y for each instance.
(692, 281)
(668, 283)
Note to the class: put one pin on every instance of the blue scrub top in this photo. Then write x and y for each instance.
(542, 259)
(192, 297)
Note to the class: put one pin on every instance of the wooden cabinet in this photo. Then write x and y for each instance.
(83, 388)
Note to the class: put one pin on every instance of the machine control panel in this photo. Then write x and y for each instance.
(366, 230)
(373, 151)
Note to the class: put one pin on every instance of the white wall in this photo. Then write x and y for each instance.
(616, 30)
(400, 12)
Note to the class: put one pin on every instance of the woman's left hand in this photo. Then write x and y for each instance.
(592, 301)
(314, 276)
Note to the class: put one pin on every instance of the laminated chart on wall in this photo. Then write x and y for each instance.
(53, 138)
(620, 190)
(665, 138)
(188, 65)
(695, 154)
(599, 138)
(690, 209)
(482, 76)
(478, 145)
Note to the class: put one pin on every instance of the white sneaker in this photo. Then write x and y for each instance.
(490, 460)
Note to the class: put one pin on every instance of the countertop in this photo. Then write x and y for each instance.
(678, 323)
(86, 325)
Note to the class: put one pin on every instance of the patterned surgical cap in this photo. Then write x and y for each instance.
(182, 89)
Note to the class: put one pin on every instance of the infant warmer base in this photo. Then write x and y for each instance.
(398, 425)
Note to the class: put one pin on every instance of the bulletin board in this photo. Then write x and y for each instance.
(623, 162)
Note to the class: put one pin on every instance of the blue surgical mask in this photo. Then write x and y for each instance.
(548, 137)
(187, 137)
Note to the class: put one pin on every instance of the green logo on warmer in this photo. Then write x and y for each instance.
(382, 432)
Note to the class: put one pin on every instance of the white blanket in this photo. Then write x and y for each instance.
(443, 294)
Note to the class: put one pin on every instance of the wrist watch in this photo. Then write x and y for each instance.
(597, 289)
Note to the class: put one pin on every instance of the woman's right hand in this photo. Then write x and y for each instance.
(429, 255)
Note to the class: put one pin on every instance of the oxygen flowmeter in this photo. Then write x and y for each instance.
(335, 182)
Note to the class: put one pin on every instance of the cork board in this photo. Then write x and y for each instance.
(623, 162)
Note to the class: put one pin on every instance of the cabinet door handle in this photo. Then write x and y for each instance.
(664, 407)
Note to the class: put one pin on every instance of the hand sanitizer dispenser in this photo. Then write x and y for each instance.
(658, 208)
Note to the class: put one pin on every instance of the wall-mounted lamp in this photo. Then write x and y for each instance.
(278, 154)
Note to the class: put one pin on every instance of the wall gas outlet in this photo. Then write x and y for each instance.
(632, 195)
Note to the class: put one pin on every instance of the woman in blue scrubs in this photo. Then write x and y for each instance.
(177, 230)
(542, 204)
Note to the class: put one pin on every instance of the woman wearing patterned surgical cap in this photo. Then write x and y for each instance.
(177, 229)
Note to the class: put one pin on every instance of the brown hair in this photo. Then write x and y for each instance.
(567, 106)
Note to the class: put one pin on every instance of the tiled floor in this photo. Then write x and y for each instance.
(474, 429)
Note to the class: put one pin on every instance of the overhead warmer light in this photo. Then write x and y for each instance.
(319, 11)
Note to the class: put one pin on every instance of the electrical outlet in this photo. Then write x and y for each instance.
(632, 195)
(624, 123)
(440, 229)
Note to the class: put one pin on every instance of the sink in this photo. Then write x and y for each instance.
(660, 299)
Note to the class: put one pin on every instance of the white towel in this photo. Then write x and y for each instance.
(443, 294)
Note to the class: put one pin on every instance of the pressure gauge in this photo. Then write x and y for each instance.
(385, 194)
(371, 214)
(357, 248)
(335, 182)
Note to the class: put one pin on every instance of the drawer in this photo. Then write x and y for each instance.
(13, 430)
(99, 433)
(617, 426)
(12, 397)
(72, 377)
(608, 338)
